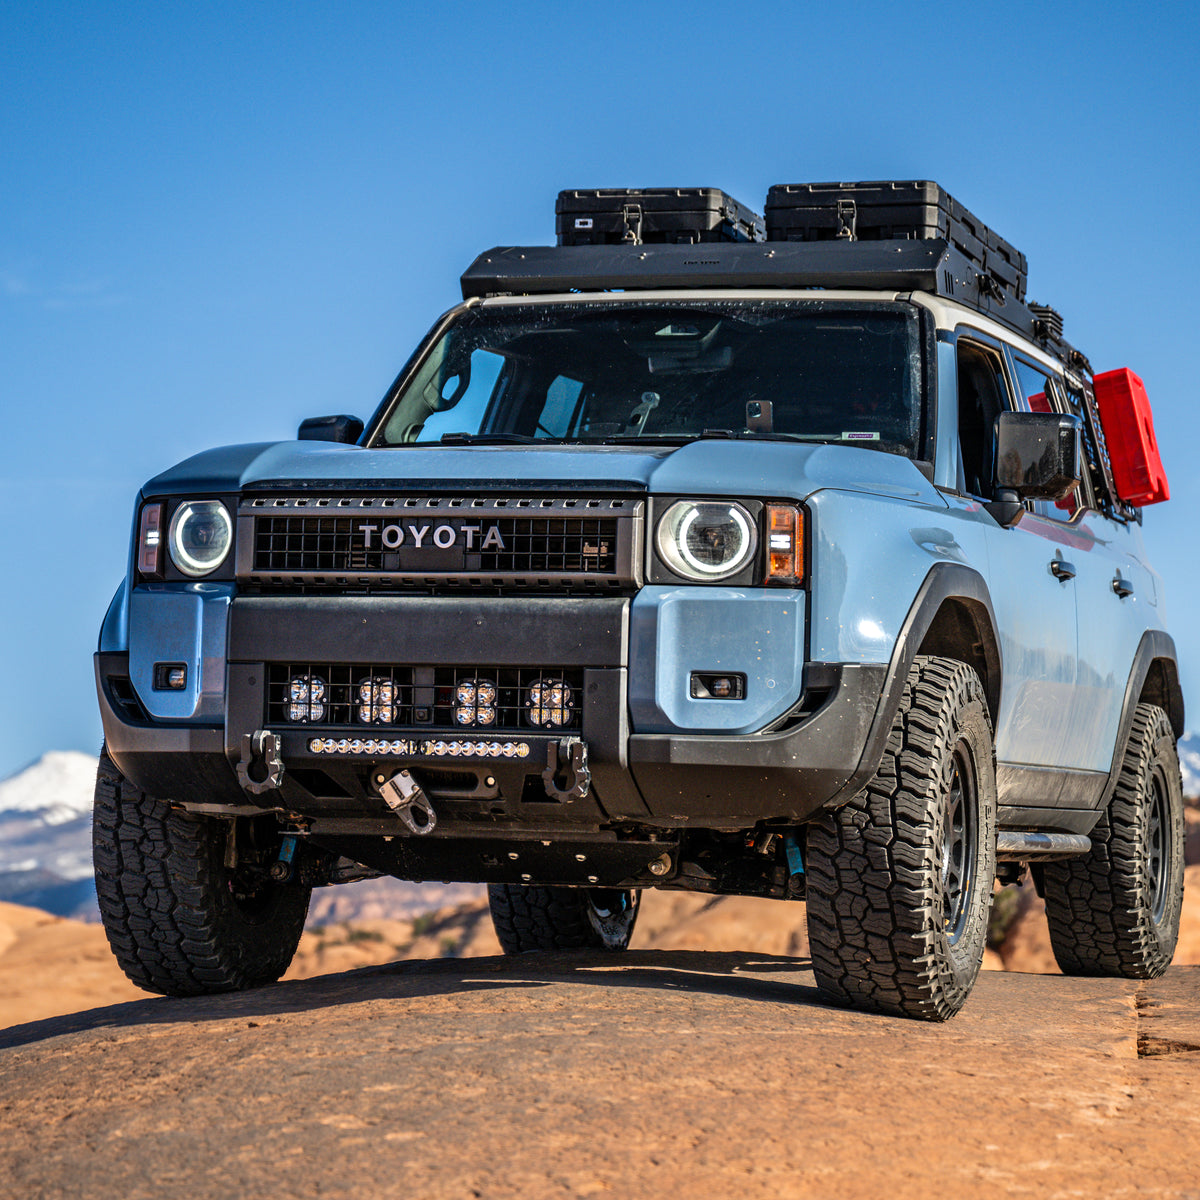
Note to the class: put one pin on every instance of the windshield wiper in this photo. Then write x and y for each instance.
(769, 435)
(486, 439)
(652, 439)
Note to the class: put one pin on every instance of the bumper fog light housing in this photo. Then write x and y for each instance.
(718, 685)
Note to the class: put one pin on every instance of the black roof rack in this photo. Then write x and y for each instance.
(905, 265)
(893, 235)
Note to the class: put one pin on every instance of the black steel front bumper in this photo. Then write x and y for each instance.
(652, 779)
(664, 780)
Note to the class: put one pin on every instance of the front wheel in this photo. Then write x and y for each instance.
(1115, 910)
(900, 878)
(179, 920)
(562, 918)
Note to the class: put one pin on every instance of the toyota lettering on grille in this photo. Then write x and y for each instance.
(441, 537)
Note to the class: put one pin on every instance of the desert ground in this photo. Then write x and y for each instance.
(691, 1073)
(50, 966)
(408, 1058)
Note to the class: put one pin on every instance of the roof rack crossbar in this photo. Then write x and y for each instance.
(932, 265)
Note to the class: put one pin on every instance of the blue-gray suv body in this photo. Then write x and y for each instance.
(792, 569)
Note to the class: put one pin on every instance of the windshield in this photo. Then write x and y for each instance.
(810, 371)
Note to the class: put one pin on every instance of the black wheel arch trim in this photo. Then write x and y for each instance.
(1153, 678)
(946, 583)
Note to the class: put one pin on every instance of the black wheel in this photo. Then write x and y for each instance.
(900, 879)
(178, 920)
(1115, 910)
(562, 918)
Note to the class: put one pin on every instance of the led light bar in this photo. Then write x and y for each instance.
(409, 747)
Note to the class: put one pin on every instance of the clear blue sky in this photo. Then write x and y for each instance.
(216, 220)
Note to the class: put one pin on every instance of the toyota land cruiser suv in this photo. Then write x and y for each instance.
(796, 559)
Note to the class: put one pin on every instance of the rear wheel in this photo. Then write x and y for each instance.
(1115, 910)
(180, 921)
(562, 918)
(900, 878)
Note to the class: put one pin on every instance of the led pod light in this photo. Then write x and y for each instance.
(377, 701)
(550, 702)
(706, 540)
(306, 698)
(475, 702)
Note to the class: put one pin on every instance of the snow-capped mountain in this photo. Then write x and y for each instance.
(1189, 763)
(46, 835)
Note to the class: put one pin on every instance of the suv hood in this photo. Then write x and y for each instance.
(710, 467)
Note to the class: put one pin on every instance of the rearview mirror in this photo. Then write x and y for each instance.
(341, 428)
(1037, 458)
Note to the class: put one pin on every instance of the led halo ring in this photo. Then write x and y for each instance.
(201, 537)
(679, 522)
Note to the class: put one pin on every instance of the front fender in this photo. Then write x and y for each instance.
(114, 629)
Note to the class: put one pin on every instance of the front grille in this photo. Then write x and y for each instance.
(424, 698)
(571, 545)
(388, 542)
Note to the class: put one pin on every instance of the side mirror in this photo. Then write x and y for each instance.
(1037, 458)
(331, 429)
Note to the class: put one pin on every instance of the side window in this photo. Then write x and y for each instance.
(1093, 485)
(982, 396)
(1034, 387)
(459, 404)
(558, 415)
(1045, 393)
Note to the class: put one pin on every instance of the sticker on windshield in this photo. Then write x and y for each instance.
(860, 437)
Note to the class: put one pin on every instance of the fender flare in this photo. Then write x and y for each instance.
(946, 581)
(1156, 645)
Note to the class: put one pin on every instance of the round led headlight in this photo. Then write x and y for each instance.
(201, 536)
(707, 540)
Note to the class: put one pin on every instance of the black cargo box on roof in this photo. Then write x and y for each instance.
(650, 216)
(885, 211)
(896, 235)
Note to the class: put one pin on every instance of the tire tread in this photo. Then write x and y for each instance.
(1098, 905)
(531, 918)
(872, 872)
(168, 922)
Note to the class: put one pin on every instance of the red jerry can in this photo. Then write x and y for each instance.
(1129, 431)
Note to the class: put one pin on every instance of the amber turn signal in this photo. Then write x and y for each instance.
(785, 545)
(150, 528)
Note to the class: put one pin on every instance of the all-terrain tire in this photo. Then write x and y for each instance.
(562, 918)
(177, 919)
(900, 878)
(1115, 910)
